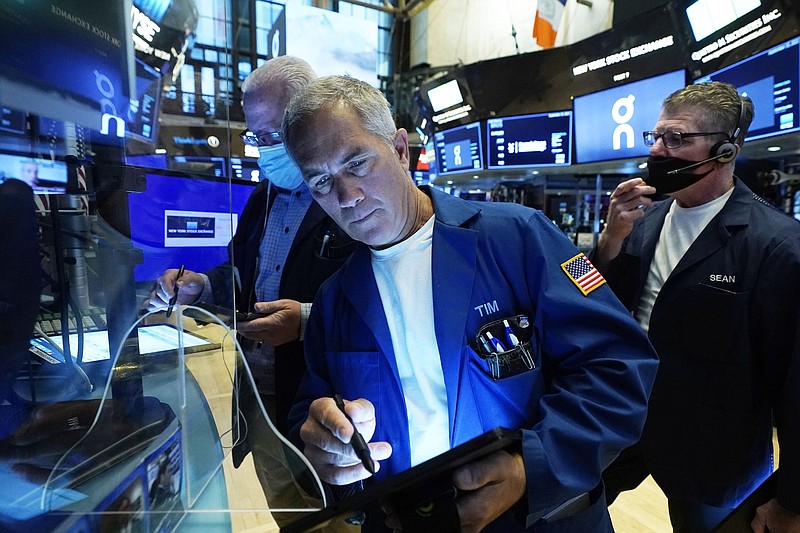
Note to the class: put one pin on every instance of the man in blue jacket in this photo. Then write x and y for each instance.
(713, 275)
(457, 317)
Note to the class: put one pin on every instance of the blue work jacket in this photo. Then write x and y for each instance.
(583, 402)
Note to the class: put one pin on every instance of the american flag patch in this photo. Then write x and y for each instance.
(583, 273)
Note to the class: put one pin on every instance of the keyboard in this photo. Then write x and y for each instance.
(92, 319)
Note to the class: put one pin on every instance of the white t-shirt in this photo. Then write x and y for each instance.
(681, 227)
(403, 274)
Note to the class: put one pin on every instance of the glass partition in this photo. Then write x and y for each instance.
(149, 448)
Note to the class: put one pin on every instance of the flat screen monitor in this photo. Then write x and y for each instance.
(154, 339)
(43, 175)
(445, 95)
(540, 140)
(198, 164)
(67, 60)
(459, 149)
(184, 219)
(142, 120)
(609, 123)
(12, 120)
(147, 160)
(245, 169)
(772, 81)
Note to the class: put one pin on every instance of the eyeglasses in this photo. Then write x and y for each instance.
(270, 138)
(673, 139)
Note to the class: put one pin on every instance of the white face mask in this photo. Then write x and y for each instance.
(278, 167)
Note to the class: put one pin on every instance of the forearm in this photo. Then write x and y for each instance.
(607, 249)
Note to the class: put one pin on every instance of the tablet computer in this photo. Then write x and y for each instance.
(409, 484)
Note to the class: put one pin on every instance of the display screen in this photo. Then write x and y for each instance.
(11, 120)
(143, 110)
(43, 175)
(445, 95)
(153, 339)
(459, 149)
(543, 139)
(771, 79)
(67, 59)
(184, 220)
(245, 169)
(609, 123)
(214, 166)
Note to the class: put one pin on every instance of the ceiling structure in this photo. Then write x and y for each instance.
(403, 9)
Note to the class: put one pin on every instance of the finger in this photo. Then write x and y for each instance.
(267, 308)
(477, 473)
(626, 186)
(360, 411)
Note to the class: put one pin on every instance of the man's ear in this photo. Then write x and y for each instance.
(401, 146)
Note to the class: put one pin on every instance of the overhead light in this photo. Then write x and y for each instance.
(161, 150)
(773, 148)
(450, 182)
(643, 165)
(475, 177)
(534, 172)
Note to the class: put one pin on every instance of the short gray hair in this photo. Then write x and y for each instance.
(330, 91)
(718, 104)
(289, 72)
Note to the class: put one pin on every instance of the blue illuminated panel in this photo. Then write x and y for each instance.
(772, 80)
(609, 123)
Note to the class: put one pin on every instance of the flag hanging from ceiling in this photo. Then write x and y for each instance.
(548, 18)
(583, 19)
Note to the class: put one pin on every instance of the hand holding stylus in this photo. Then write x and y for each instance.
(174, 298)
(328, 435)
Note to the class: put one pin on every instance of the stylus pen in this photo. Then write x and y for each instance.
(174, 299)
(357, 440)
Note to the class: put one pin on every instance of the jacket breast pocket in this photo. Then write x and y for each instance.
(508, 346)
(712, 322)
(355, 374)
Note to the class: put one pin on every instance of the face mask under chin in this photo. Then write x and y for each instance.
(659, 168)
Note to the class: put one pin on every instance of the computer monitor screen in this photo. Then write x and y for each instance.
(445, 95)
(245, 169)
(543, 139)
(142, 120)
(459, 149)
(772, 81)
(153, 339)
(183, 219)
(214, 166)
(43, 175)
(609, 123)
(147, 160)
(67, 60)
(12, 120)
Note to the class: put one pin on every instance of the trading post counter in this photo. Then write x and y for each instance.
(145, 451)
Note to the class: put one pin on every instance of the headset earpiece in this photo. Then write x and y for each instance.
(726, 151)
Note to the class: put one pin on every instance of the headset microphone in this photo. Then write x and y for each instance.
(703, 162)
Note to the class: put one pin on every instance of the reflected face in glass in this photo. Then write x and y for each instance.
(263, 110)
(358, 178)
(30, 174)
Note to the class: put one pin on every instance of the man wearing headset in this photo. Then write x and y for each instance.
(713, 275)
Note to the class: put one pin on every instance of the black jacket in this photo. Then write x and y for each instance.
(726, 326)
(305, 270)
